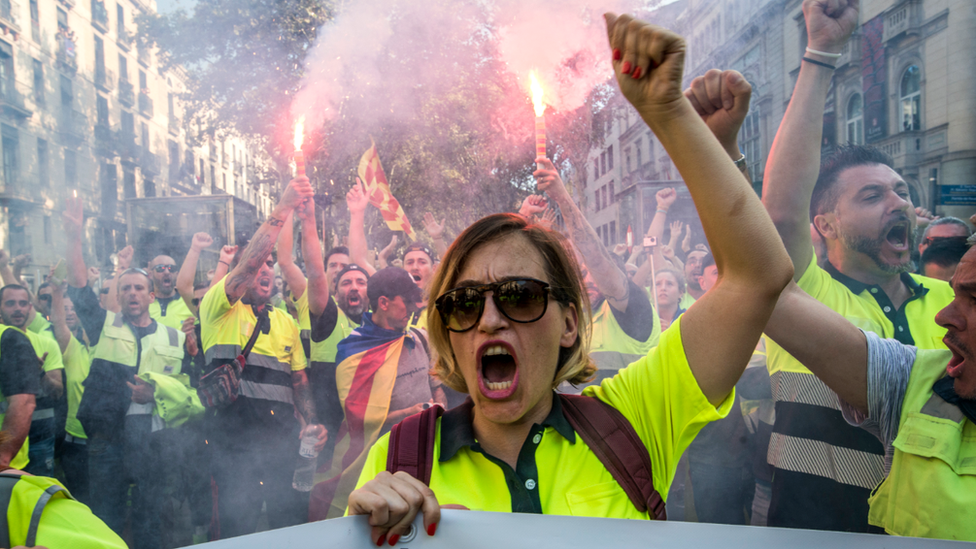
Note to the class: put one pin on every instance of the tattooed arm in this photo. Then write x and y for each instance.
(305, 406)
(609, 279)
(258, 250)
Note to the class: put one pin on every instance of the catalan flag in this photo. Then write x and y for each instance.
(378, 191)
(365, 382)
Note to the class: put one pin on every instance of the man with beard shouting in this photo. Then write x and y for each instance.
(824, 468)
(168, 309)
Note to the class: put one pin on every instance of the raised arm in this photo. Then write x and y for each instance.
(823, 341)
(357, 201)
(6, 273)
(188, 272)
(125, 261)
(74, 220)
(227, 254)
(794, 159)
(665, 199)
(59, 321)
(609, 279)
(383, 258)
(436, 232)
(286, 245)
(263, 241)
(318, 286)
(721, 329)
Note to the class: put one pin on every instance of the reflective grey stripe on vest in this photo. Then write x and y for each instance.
(938, 407)
(223, 352)
(7, 484)
(802, 389)
(119, 321)
(38, 510)
(267, 391)
(136, 409)
(44, 413)
(174, 337)
(814, 457)
(612, 360)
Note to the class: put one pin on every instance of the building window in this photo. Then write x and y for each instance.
(123, 68)
(640, 155)
(101, 110)
(35, 21)
(110, 190)
(6, 73)
(911, 99)
(148, 187)
(70, 168)
(67, 92)
(855, 120)
(128, 182)
(43, 176)
(613, 233)
(613, 197)
(596, 169)
(120, 14)
(603, 162)
(47, 229)
(610, 157)
(750, 139)
(627, 157)
(11, 154)
(38, 82)
(603, 196)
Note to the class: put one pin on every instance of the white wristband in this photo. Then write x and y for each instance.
(824, 54)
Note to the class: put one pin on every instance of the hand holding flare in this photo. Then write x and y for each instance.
(299, 155)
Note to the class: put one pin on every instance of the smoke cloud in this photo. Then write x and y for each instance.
(362, 54)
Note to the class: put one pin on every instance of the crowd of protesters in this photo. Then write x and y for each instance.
(184, 405)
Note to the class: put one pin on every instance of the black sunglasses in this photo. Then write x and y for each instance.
(521, 300)
(166, 268)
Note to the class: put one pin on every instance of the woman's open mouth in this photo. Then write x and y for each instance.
(497, 371)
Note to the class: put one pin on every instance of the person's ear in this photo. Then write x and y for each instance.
(383, 302)
(826, 225)
(571, 328)
(701, 282)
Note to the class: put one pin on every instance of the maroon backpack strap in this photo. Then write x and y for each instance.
(613, 439)
(412, 444)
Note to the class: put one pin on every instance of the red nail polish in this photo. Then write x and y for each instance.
(379, 542)
(431, 529)
(617, 56)
(626, 68)
(393, 539)
(637, 73)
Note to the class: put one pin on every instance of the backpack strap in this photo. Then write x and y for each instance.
(412, 444)
(613, 439)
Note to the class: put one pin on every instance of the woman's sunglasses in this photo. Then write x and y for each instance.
(520, 300)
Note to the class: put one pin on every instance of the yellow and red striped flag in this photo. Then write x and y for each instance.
(378, 191)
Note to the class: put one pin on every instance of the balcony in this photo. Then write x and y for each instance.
(65, 58)
(74, 126)
(149, 162)
(851, 52)
(8, 17)
(13, 102)
(145, 104)
(99, 15)
(905, 18)
(124, 41)
(106, 140)
(144, 57)
(104, 79)
(129, 152)
(127, 94)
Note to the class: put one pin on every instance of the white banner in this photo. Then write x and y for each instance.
(473, 530)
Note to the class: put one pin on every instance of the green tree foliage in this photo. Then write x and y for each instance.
(453, 127)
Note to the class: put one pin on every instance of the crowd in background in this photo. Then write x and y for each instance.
(185, 406)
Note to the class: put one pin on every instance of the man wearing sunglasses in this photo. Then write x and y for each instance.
(168, 308)
(943, 227)
(395, 358)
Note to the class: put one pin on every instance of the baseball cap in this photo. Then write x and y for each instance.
(392, 282)
(419, 246)
(346, 269)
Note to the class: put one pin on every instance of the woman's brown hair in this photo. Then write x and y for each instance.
(565, 284)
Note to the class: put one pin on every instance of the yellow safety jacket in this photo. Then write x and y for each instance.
(20, 460)
(611, 348)
(117, 357)
(325, 350)
(931, 488)
(176, 312)
(40, 511)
